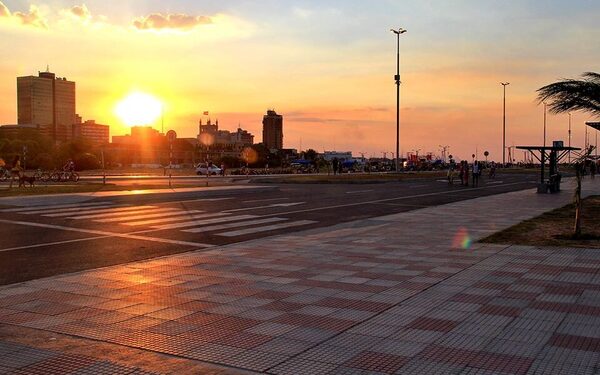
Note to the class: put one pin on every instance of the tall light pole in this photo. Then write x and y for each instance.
(569, 137)
(397, 79)
(504, 84)
(545, 124)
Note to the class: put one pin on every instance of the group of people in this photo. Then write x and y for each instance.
(337, 165)
(464, 170)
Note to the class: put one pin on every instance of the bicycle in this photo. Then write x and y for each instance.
(41, 175)
(4, 174)
(64, 176)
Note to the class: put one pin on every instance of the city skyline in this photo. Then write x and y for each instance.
(327, 67)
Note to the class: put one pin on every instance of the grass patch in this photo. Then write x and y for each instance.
(555, 228)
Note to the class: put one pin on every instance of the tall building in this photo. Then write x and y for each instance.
(49, 102)
(273, 130)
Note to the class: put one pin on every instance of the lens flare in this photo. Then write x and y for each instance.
(462, 240)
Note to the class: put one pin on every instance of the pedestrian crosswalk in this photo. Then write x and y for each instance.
(160, 218)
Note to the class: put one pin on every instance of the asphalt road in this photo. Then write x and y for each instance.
(44, 241)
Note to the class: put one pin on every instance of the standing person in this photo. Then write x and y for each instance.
(476, 170)
(451, 175)
(493, 170)
(334, 164)
(461, 173)
(466, 175)
(222, 169)
(15, 172)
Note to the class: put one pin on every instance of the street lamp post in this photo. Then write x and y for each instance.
(545, 124)
(504, 84)
(397, 79)
(569, 137)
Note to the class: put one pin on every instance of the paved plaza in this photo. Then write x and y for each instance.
(409, 293)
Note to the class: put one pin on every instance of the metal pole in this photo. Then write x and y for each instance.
(398, 100)
(397, 79)
(504, 84)
(170, 160)
(544, 124)
(569, 137)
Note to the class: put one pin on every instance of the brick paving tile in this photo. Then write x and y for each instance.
(57, 365)
(297, 366)
(589, 344)
(380, 362)
(500, 310)
(431, 324)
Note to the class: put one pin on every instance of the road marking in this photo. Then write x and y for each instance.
(358, 191)
(82, 211)
(242, 232)
(171, 219)
(495, 182)
(50, 207)
(202, 222)
(265, 200)
(268, 206)
(148, 216)
(213, 228)
(52, 243)
(107, 234)
(70, 210)
(132, 211)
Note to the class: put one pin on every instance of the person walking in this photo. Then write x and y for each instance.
(451, 175)
(466, 175)
(476, 171)
(461, 173)
(15, 172)
(334, 164)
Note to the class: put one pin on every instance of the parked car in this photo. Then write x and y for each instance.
(202, 169)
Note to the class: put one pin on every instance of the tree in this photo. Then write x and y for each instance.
(573, 95)
(579, 168)
(310, 154)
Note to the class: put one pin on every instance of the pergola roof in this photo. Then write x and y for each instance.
(593, 124)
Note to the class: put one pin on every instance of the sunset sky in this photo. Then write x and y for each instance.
(327, 66)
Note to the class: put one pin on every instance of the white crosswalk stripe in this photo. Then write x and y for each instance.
(72, 209)
(133, 211)
(148, 216)
(172, 219)
(267, 228)
(87, 212)
(202, 222)
(53, 207)
(213, 228)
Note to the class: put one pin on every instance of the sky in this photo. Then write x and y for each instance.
(327, 66)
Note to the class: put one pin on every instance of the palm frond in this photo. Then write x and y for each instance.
(573, 95)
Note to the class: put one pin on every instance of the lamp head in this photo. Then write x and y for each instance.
(399, 31)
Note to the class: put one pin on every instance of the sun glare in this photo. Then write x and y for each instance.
(139, 109)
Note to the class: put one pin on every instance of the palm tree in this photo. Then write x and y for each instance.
(573, 94)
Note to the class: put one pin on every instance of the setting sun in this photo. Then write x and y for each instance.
(139, 109)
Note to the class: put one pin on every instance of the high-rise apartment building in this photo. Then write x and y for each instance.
(49, 102)
(273, 130)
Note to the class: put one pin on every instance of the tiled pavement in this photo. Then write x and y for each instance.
(401, 294)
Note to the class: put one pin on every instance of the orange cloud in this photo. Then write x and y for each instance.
(80, 11)
(158, 21)
(33, 18)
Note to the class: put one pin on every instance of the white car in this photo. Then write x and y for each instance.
(213, 170)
